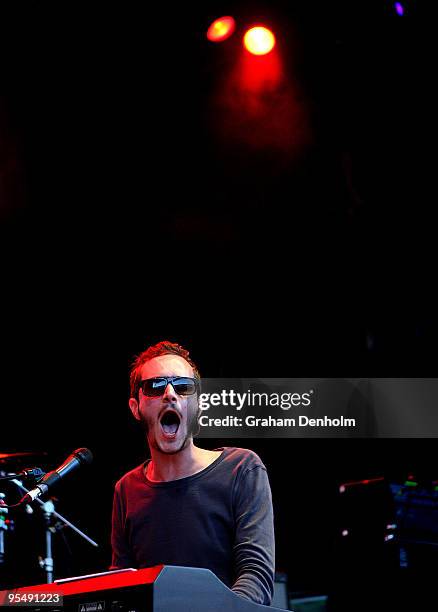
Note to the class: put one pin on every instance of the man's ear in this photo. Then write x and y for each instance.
(135, 408)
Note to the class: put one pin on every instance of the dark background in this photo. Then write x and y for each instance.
(132, 212)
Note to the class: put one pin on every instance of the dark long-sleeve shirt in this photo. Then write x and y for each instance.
(220, 519)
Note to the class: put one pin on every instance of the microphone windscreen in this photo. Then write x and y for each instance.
(84, 455)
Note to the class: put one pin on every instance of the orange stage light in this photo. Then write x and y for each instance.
(221, 29)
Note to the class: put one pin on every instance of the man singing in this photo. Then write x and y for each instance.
(187, 505)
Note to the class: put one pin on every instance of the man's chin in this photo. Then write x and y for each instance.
(169, 447)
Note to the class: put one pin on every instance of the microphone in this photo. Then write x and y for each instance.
(81, 456)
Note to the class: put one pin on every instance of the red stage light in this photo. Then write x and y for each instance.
(259, 40)
(221, 29)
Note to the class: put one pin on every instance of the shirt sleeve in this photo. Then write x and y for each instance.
(254, 544)
(121, 557)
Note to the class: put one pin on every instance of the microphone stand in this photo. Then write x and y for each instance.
(3, 527)
(47, 563)
(49, 513)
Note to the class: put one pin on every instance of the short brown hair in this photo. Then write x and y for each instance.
(161, 348)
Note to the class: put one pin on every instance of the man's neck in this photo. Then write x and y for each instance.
(189, 461)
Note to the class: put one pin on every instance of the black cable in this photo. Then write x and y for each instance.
(13, 505)
(29, 473)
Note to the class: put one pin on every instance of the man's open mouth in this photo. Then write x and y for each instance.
(170, 423)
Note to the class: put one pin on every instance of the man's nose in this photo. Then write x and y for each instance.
(170, 394)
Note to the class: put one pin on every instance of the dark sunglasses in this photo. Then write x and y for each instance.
(154, 387)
